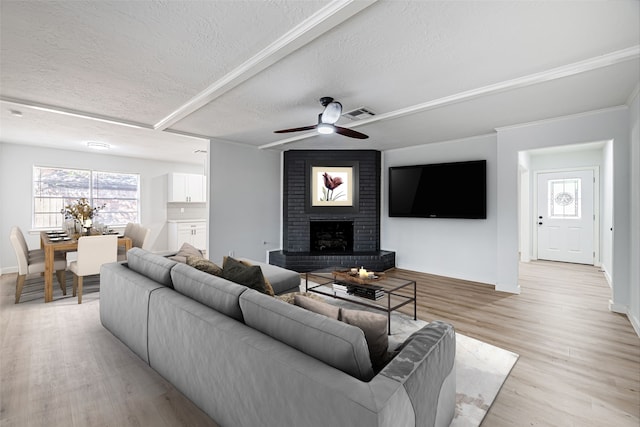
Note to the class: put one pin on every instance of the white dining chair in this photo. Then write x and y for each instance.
(93, 251)
(32, 261)
(138, 235)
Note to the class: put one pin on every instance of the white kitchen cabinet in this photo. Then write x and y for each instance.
(192, 232)
(187, 187)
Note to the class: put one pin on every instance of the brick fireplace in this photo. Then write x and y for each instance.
(318, 237)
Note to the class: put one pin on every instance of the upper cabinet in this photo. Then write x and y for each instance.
(187, 187)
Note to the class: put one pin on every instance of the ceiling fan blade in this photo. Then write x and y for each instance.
(296, 129)
(350, 133)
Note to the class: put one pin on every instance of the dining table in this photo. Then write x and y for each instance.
(51, 243)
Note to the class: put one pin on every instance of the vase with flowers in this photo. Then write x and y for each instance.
(82, 214)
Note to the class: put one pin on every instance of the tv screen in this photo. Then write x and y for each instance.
(443, 190)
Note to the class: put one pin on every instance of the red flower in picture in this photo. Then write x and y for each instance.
(330, 184)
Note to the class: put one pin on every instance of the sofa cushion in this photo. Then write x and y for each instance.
(281, 279)
(204, 264)
(185, 250)
(320, 307)
(153, 266)
(374, 326)
(335, 343)
(212, 291)
(249, 276)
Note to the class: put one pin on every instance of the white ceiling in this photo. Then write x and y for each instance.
(146, 77)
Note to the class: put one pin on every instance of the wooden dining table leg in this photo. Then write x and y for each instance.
(49, 255)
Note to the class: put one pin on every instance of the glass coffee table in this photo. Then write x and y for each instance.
(382, 293)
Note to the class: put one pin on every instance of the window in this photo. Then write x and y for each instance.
(54, 188)
(565, 198)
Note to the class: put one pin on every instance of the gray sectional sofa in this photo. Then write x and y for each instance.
(248, 359)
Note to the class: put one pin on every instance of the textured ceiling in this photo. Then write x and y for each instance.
(237, 70)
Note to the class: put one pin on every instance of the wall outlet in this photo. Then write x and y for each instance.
(231, 254)
(181, 210)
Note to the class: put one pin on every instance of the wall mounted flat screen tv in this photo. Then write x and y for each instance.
(442, 190)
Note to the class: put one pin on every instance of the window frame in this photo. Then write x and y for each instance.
(91, 192)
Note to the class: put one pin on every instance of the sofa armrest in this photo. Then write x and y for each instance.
(425, 366)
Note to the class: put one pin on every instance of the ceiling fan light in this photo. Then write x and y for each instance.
(331, 112)
(325, 128)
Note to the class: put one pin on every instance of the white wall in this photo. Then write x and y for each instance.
(16, 170)
(460, 248)
(245, 201)
(634, 274)
(606, 257)
(612, 124)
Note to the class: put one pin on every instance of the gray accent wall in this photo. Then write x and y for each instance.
(460, 248)
(611, 124)
(244, 201)
(633, 310)
(487, 251)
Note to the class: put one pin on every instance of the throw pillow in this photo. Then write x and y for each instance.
(185, 250)
(204, 264)
(237, 272)
(319, 307)
(374, 326)
(267, 283)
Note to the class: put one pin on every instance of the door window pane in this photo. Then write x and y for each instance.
(565, 198)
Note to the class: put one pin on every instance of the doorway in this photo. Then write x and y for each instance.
(566, 226)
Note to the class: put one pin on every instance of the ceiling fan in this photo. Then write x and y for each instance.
(326, 121)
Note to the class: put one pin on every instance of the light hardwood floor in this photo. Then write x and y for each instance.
(579, 363)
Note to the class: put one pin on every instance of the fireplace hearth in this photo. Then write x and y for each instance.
(331, 237)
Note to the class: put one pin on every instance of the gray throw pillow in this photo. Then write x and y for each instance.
(204, 264)
(249, 276)
(374, 326)
(319, 307)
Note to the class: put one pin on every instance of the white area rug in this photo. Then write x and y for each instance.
(481, 368)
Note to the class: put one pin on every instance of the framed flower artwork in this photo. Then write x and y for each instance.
(333, 186)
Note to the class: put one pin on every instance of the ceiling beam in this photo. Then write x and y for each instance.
(311, 28)
(74, 113)
(628, 54)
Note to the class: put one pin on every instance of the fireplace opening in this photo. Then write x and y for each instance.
(331, 236)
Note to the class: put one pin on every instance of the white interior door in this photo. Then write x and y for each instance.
(566, 216)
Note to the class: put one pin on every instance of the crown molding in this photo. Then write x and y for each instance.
(612, 58)
(74, 113)
(311, 28)
(633, 95)
(560, 118)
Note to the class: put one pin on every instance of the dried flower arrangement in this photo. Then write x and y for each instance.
(81, 211)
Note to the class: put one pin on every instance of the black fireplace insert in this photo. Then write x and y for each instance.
(331, 237)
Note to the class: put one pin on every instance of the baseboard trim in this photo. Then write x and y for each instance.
(509, 289)
(635, 323)
(8, 270)
(618, 308)
(624, 309)
(607, 276)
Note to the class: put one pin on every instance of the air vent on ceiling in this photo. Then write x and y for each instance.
(359, 113)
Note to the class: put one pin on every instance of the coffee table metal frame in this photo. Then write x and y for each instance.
(390, 286)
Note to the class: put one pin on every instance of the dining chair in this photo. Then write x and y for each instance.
(32, 261)
(138, 235)
(93, 251)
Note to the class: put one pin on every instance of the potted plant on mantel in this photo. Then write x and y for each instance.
(82, 215)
